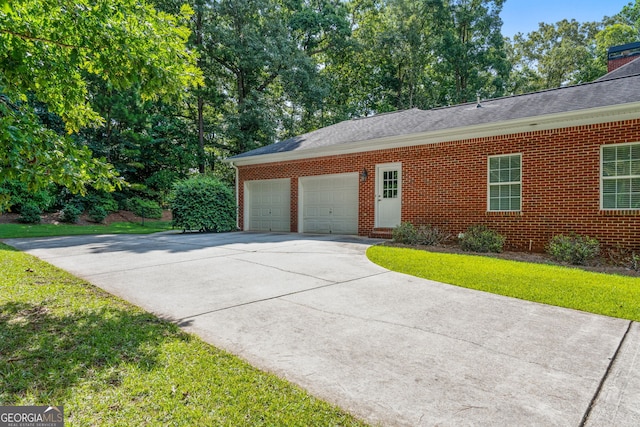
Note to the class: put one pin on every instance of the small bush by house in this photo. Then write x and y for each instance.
(623, 257)
(405, 233)
(574, 249)
(427, 235)
(479, 238)
(203, 203)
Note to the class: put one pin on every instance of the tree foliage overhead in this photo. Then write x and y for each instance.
(407, 54)
(50, 48)
(568, 51)
(556, 54)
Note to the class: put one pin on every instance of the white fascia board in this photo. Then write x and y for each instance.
(583, 117)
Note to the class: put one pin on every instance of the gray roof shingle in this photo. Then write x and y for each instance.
(618, 87)
(628, 69)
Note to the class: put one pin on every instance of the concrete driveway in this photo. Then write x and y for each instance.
(392, 349)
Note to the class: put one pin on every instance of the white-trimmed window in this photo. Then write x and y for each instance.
(505, 183)
(620, 176)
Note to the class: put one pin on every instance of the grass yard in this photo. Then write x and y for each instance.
(10, 231)
(610, 295)
(66, 342)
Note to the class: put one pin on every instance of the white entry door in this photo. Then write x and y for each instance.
(268, 205)
(388, 194)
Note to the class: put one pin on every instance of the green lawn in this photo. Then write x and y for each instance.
(10, 231)
(65, 342)
(611, 295)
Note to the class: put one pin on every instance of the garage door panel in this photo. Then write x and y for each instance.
(279, 211)
(318, 226)
(342, 227)
(330, 204)
(342, 213)
(269, 205)
(317, 212)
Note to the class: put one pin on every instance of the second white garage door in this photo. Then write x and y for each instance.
(329, 204)
(267, 205)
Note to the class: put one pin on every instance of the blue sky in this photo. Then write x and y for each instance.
(524, 15)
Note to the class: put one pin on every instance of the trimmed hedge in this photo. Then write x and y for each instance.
(203, 203)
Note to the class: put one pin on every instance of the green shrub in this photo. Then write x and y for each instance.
(479, 238)
(623, 257)
(203, 203)
(429, 235)
(574, 249)
(19, 196)
(71, 213)
(426, 235)
(144, 208)
(100, 199)
(97, 213)
(405, 233)
(161, 182)
(30, 214)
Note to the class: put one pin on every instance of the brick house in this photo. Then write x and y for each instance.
(529, 166)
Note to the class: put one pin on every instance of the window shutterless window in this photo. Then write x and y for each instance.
(620, 176)
(505, 183)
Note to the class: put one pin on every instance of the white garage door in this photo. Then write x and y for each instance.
(268, 205)
(329, 204)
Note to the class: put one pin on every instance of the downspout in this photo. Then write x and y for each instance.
(237, 195)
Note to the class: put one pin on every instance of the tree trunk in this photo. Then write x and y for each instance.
(200, 120)
(201, 154)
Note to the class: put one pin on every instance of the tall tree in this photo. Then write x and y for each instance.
(471, 53)
(262, 62)
(267, 52)
(556, 54)
(148, 142)
(630, 15)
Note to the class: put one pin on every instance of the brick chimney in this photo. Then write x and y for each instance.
(620, 55)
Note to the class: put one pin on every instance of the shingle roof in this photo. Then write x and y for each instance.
(628, 69)
(613, 89)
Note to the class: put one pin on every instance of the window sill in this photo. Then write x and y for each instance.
(503, 213)
(620, 212)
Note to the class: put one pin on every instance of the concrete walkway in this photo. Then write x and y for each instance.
(392, 349)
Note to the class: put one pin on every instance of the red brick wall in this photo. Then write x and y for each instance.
(445, 184)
